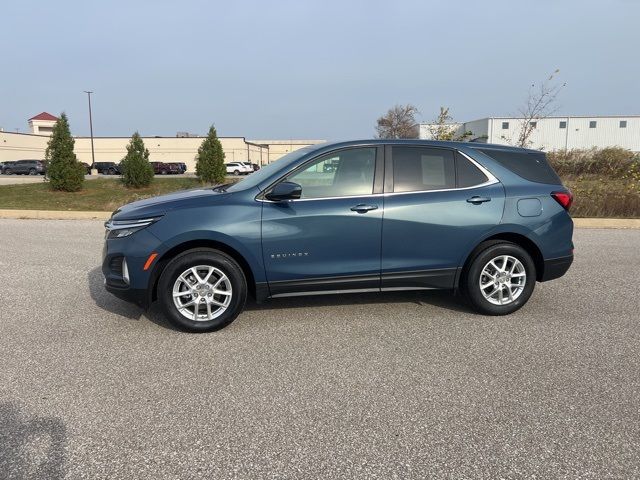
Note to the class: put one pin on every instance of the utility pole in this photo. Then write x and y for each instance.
(93, 155)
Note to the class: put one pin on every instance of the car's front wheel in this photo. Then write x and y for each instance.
(500, 278)
(202, 290)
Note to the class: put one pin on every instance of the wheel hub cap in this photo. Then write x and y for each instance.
(202, 293)
(502, 280)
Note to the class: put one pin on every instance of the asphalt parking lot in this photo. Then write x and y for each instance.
(402, 385)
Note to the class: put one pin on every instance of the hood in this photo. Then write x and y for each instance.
(157, 206)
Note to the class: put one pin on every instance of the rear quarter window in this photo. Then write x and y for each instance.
(532, 166)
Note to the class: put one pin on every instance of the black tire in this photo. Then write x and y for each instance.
(471, 275)
(32, 171)
(7, 171)
(111, 171)
(236, 172)
(193, 258)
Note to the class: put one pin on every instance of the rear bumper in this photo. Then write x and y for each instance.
(556, 267)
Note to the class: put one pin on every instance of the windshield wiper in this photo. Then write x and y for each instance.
(222, 188)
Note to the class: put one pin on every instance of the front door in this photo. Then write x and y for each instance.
(329, 239)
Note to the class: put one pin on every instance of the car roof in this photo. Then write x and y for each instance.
(418, 142)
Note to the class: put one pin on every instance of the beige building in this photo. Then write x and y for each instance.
(18, 146)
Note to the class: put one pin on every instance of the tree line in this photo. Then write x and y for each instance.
(400, 120)
(66, 173)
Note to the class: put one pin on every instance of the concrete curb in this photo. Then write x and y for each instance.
(606, 222)
(71, 215)
(54, 215)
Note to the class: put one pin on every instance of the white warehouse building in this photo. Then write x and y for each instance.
(553, 133)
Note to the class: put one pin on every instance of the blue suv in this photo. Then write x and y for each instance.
(360, 216)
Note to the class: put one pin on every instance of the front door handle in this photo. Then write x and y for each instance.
(476, 200)
(362, 208)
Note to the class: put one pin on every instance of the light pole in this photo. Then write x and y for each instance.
(93, 155)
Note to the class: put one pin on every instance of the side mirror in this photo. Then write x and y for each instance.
(284, 191)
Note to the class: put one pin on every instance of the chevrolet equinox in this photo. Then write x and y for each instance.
(488, 221)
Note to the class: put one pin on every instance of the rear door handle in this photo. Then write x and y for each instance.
(476, 200)
(362, 208)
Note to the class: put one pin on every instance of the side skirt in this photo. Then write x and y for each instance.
(445, 278)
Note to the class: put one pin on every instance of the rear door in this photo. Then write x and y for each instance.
(329, 239)
(438, 203)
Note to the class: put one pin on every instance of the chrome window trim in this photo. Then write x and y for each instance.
(491, 180)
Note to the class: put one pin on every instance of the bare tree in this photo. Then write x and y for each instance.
(443, 128)
(399, 122)
(540, 104)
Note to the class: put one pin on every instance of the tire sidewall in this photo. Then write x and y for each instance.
(190, 259)
(472, 287)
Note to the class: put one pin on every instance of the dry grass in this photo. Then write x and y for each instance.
(605, 182)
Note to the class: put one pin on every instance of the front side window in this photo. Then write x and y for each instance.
(339, 174)
(419, 169)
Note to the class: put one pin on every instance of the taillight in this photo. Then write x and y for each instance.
(563, 198)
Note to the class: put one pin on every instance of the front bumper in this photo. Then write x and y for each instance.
(556, 267)
(133, 295)
(136, 250)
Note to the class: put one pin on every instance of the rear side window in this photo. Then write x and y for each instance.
(531, 166)
(468, 174)
(419, 169)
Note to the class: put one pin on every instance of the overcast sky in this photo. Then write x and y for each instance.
(319, 69)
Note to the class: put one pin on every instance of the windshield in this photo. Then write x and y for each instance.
(256, 178)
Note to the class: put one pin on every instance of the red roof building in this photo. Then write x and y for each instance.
(42, 124)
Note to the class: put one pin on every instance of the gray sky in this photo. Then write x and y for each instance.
(308, 69)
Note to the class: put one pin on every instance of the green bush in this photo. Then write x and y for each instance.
(137, 172)
(64, 172)
(210, 166)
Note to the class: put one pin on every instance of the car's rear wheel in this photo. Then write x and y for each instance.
(236, 172)
(202, 290)
(499, 279)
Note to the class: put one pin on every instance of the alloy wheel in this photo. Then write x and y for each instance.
(502, 280)
(202, 293)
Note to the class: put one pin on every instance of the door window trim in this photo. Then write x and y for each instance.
(388, 179)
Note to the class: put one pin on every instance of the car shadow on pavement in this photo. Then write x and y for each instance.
(109, 302)
(31, 446)
(438, 298)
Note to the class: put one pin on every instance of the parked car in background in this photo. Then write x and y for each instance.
(238, 168)
(161, 168)
(24, 167)
(486, 220)
(183, 167)
(175, 168)
(107, 168)
(255, 167)
(87, 168)
(6, 165)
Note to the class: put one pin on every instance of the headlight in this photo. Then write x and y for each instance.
(124, 228)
